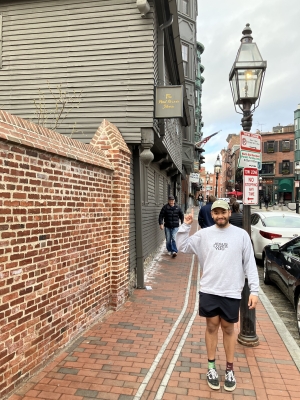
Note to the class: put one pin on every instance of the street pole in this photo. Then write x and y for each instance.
(216, 192)
(247, 335)
(246, 79)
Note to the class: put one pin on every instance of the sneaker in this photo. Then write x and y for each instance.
(213, 379)
(230, 382)
(174, 254)
(169, 252)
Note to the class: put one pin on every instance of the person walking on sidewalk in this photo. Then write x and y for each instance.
(226, 256)
(204, 217)
(200, 200)
(169, 217)
(267, 201)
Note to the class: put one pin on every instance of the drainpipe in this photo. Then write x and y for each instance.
(138, 218)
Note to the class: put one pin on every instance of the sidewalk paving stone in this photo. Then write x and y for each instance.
(132, 350)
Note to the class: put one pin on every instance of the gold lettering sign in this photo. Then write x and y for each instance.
(168, 102)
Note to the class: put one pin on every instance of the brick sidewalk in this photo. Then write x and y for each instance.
(153, 348)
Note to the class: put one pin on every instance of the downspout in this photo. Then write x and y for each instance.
(137, 176)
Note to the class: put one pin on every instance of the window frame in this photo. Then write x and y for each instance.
(286, 170)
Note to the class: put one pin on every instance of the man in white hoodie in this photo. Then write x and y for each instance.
(226, 256)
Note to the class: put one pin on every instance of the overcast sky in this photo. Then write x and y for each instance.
(275, 28)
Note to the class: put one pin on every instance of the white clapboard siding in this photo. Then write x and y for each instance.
(101, 48)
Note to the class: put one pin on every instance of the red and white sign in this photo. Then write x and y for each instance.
(250, 141)
(250, 185)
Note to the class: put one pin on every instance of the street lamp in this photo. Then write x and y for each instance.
(217, 169)
(297, 172)
(246, 80)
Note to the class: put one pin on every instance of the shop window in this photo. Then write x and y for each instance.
(267, 169)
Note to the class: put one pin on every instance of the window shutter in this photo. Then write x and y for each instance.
(265, 147)
(280, 167)
(291, 145)
(275, 146)
(280, 145)
(291, 167)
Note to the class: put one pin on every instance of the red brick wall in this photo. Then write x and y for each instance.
(278, 156)
(63, 214)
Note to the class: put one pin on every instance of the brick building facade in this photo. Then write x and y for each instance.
(64, 208)
(277, 173)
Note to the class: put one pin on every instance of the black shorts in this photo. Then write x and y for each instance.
(211, 305)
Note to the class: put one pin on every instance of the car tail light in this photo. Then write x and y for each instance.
(269, 235)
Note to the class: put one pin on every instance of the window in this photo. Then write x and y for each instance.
(267, 168)
(286, 145)
(186, 7)
(270, 147)
(296, 144)
(185, 58)
(285, 167)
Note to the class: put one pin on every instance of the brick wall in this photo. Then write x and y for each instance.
(64, 212)
(278, 156)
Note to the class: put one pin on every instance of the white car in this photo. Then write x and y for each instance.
(224, 198)
(271, 227)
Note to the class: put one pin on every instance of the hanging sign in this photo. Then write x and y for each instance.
(250, 186)
(168, 102)
(194, 178)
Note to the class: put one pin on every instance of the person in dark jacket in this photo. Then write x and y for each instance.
(267, 201)
(169, 217)
(236, 216)
(204, 217)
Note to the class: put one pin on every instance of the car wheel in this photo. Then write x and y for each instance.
(267, 280)
(298, 312)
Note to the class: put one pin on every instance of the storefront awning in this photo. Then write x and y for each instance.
(285, 185)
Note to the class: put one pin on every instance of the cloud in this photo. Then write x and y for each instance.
(275, 26)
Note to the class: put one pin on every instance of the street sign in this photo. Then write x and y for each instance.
(250, 186)
(249, 159)
(250, 141)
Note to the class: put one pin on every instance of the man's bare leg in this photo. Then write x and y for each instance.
(211, 336)
(229, 340)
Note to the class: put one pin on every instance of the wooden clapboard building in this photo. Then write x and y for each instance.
(109, 55)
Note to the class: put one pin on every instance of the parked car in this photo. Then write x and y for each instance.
(282, 267)
(272, 227)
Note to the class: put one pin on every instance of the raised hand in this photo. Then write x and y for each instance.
(188, 219)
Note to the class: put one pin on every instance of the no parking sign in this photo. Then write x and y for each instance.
(250, 184)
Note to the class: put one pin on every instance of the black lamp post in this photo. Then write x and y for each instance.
(217, 169)
(246, 81)
(207, 181)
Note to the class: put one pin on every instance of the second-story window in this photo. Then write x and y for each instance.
(185, 58)
(285, 167)
(267, 168)
(296, 144)
(186, 7)
(286, 145)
